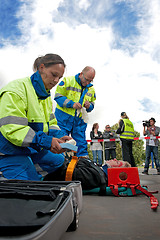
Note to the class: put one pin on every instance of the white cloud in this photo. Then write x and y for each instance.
(84, 4)
(122, 79)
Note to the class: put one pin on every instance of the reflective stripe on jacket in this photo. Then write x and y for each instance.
(70, 91)
(128, 130)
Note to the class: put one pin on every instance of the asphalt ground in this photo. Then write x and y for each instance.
(120, 218)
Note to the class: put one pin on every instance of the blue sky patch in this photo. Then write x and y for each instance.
(8, 21)
(124, 17)
(125, 20)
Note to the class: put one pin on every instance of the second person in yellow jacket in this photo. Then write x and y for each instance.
(73, 95)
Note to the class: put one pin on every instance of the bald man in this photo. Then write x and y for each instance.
(75, 97)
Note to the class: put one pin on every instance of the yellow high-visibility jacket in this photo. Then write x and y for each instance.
(27, 122)
(128, 130)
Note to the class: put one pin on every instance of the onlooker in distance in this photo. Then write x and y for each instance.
(126, 131)
(109, 146)
(151, 145)
(74, 94)
(96, 147)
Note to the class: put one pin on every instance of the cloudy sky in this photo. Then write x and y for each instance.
(119, 38)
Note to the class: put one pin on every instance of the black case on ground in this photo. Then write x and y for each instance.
(37, 209)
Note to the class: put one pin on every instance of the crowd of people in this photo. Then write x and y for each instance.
(125, 132)
(31, 134)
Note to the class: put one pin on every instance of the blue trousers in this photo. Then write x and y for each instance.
(79, 137)
(97, 153)
(74, 126)
(23, 167)
(150, 149)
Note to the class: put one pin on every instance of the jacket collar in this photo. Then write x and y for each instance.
(39, 87)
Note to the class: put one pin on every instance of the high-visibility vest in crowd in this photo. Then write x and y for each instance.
(128, 130)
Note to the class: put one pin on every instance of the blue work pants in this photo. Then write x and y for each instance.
(23, 167)
(79, 135)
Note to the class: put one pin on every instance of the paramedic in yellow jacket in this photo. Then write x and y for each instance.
(29, 135)
(72, 94)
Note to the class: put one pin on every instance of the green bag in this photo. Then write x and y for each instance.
(122, 191)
